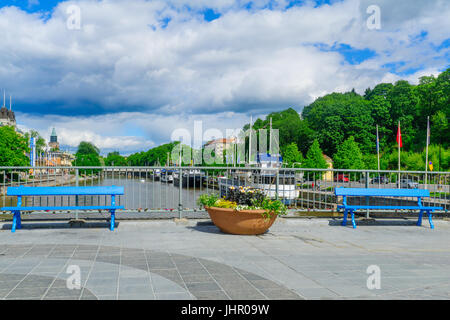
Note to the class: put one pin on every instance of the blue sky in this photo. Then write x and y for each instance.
(137, 70)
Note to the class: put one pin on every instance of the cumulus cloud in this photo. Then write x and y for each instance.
(162, 62)
(128, 131)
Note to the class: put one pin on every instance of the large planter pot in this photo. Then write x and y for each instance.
(246, 222)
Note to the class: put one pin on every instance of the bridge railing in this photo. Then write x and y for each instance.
(160, 189)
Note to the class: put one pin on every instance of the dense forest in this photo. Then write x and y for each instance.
(343, 126)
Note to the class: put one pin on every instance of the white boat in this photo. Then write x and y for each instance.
(264, 177)
(167, 176)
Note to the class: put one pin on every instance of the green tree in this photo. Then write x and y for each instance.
(87, 156)
(291, 155)
(314, 157)
(115, 159)
(87, 148)
(349, 156)
(380, 90)
(337, 116)
(39, 141)
(13, 148)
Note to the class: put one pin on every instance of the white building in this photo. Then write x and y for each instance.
(7, 117)
(219, 145)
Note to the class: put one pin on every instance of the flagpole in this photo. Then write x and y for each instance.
(270, 137)
(426, 156)
(378, 150)
(250, 142)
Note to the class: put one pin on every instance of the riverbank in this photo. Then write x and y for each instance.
(50, 181)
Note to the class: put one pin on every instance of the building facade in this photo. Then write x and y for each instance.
(220, 145)
(7, 117)
(54, 144)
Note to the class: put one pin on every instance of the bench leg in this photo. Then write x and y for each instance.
(344, 222)
(430, 220)
(19, 221)
(353, 219)
(14, 224)
(113, 220)
(419, 221)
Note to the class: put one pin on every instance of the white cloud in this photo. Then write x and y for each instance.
(126, 131)
(124, 67)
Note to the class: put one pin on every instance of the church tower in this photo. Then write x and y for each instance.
(54, 144)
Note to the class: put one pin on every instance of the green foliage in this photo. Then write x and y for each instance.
(115, 159)
(349, 156)
(39, 141)
(87, 148)
(415, 161)
(271, 207)
(291, 155)
(13, 148)
(153, 157)
(314, 157)
(87, 156)
(207, 200)
(244, 198)
(440, 129)
(337, 116)
(292, 129)
(226, 204)
(87, 160)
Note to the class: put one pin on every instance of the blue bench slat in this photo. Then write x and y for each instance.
(389, 207)
(381, 192)
(64, 191)
(62, 208)
(367, 192)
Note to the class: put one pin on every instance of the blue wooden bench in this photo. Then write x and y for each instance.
(361, 192)
(20, 192)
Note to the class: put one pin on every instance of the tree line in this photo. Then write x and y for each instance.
(339, 125)
(343, 127)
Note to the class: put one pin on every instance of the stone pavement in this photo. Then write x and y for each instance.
(192, 259)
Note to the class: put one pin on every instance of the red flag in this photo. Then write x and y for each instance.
(399, 136)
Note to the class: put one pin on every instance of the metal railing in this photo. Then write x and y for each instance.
(160, 189)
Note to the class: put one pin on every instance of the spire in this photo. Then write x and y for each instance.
(4, 98)
(10, 103)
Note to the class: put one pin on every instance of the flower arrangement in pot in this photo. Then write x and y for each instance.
(244, 210)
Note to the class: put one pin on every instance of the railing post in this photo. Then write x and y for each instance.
(77, 182)
(277, 184)
(180, 197)
(367, 198)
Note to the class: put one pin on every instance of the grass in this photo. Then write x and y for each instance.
(6, 217)
(439, 194)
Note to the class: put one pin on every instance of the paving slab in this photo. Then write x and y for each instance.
(296, 259)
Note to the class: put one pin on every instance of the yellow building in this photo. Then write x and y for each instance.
(328, 175)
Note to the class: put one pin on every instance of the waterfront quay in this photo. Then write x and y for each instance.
(165, 246)
(191, 259)
(148, 189)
